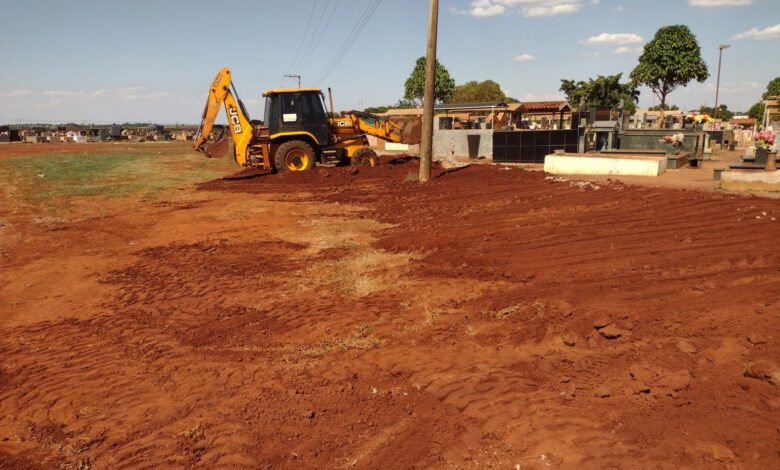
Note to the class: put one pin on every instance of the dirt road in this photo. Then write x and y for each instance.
(491, 318)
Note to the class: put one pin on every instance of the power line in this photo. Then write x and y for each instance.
(303, 36)
(349, 40)
(315, 33)
(318, 40)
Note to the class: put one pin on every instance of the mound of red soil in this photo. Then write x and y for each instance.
(390, 169)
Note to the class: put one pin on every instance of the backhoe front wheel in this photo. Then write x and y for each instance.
(364, 157)
(295, 155)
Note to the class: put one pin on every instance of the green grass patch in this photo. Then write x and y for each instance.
(50, 180)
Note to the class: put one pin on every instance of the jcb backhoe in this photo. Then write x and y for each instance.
(296, 132)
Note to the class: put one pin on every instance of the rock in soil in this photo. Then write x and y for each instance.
(612, 331)
(686, 347)
(763, 370)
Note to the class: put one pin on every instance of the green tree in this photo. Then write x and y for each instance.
(772, 89)
(601, 91)
(757, 111)
(665, 107)
(401, 104)
(376, 109)
(414, 88)
(721, 113)
(477, 92)
(671, 60)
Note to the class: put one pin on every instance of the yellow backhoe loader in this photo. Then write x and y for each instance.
(296, 133)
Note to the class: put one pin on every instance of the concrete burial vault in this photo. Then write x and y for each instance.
(625, 165)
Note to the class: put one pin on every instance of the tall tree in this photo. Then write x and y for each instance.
(601, 91)
(414, 88)
(671, 60)
(477, 92)
(665, 107)
(772, 89)
(401, 104)
(757, 112)
(722, 112)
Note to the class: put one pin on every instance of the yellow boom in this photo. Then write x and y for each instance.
(238, 122)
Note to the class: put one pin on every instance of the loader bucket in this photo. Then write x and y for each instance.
(412, 130)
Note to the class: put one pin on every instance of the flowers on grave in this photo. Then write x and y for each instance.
(675, 139)
(698, 118)
(764, 139)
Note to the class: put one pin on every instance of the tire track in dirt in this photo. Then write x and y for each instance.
(711, 262)
(175, 372)
(537, 322)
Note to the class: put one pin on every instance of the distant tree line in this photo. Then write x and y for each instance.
(672, 59)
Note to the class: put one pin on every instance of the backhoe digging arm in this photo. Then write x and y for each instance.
(222, 92)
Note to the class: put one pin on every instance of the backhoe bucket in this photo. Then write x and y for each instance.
(217, 149)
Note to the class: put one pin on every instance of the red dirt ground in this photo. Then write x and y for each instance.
(525, 321)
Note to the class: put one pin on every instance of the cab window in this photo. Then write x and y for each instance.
(290, 108)
(311, 106)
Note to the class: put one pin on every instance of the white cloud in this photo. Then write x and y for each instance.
(541, 97)
(770, 32)
(71, 96)
(619, 9)
(627, 50)
(117, 104)
(591, 55)
(480, 8)
(551, 10)
(718, 3)
(524, 58)
(732, 88)
(16, 93)
(62, 93)
(529, 8)
(612, 38)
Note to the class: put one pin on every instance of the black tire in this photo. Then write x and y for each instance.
(364, 157)
(295, 155)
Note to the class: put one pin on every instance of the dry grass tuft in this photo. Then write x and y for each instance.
(325, 233)
(356, 275)
(244, 210)
(358, 339)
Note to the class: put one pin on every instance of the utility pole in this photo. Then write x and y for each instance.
(426, 146)
(294, 76)
(717, 85)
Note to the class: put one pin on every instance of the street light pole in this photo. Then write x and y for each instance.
(717, 85)
(294, 76)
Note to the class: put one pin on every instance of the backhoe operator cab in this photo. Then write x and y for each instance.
(295, 116)
(301, 132)
(293, 111)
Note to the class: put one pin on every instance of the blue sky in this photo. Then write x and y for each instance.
(115, 61)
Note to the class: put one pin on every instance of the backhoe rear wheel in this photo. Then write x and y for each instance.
(295, 155)
(364, 157)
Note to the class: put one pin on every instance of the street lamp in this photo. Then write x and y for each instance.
(717, 85)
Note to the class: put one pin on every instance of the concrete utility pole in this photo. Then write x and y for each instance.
(426, 146)
(717, 84)
(295, 76)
